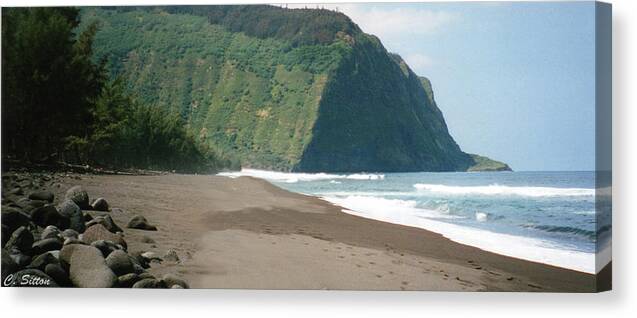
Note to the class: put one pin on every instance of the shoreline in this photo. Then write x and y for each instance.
(248, 233)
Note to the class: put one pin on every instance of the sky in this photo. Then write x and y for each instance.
(515, 81)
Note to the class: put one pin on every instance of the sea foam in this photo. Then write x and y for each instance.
(405, 212)
(495, 189)
(290, 177)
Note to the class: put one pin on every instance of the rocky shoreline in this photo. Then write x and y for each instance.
(65, 240)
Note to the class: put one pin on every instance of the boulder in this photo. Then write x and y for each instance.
(30, 278)
(19, 258)
(100, 204)
(139, 222)
(70, 233)
(72, 211)
(87, 267)
(106, 221)
(127, 280)
(149, 283)
(172, 280)
(8, 265)
(49, 215)
(41, 261)
(42, 195)
(13, 218)
(29, 205)
(58, 274)
(142, 261)
(6, 233)
(120, 263)
(79, 196)
(20, 239)
(99, 232)
(50, 231)
(46, 245)
(106, 247)
(72, 240)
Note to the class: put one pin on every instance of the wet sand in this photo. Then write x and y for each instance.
(247, 233)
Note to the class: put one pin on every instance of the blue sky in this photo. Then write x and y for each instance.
(515, 81)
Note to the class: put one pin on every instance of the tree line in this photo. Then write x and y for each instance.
(59, 104)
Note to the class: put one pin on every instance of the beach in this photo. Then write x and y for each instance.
(247, 233)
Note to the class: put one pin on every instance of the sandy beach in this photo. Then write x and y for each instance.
(247, 233)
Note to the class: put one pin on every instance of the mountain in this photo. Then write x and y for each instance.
(281, 89)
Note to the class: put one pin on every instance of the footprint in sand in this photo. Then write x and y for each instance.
(341, 256)
(379, 276)
(372, 263)
(405, 283)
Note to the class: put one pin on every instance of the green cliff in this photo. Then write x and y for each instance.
(291, 90)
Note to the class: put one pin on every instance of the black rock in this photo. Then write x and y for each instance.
(58, 274)
(42, 195)
(72, 211)
(171, 256)
(13, 218)
(149, 283)
(19, 258)
(139, 222)
(79, 196)
(106, 221)
(41, 261)
(100, 204)
(171, 280)
(6, 233)
(127, 280)
(50, 231)
(29, 205)
(120, 263)
(46, 245)
(141, 260)
(20, 239)
(106, 247)
(49, 215)
(70, 233)
(30, 278)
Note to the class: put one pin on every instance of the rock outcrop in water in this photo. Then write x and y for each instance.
(290, 90)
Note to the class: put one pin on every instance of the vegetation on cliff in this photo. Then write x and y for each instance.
(59, 104)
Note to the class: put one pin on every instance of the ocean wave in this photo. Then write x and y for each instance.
(495, 189)
(378, 205)
(591, 235)
(291, 177)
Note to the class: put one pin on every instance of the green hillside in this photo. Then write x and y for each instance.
(291, 90)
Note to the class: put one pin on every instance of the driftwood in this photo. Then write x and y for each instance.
(10, 164)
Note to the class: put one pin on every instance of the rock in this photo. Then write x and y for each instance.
(50, 231)
(106, 247)
(139, 222)
(42, 260)
(99, 232)
(20, 239)
(29, 278)
(171, 256)
(30, 205)
(8, 264)
(5, 234)
(107, 222)
(145, 275)
(42, 195)
(127, 280)
(46, 245)
(147, 240)
(16, 191)
(171, 280)
(100, 204)
(87, 217)
(79, 196)
(19, 258)
(72, 240)
(176, 287)
(151, 257)
(58, 274)
(149, 283)
(70, 233)
(72, 211)
(142, 261)
(13, 218)
(87, 267)
(49, 215)
(120, 263)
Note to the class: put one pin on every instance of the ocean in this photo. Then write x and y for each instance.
(547, 217)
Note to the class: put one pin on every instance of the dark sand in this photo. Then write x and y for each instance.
(247, 233)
